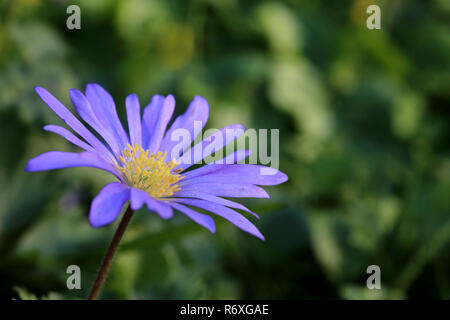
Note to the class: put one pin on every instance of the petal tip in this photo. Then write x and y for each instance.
(93, 85)
(132, 96)
(95, 224)
(91, 223)
(170, 100)
(74, 92)
(40, 91)
(200, 99)
(28, 167)
(239, 126)
(93, 219)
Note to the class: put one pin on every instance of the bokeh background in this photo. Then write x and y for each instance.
(364, 137)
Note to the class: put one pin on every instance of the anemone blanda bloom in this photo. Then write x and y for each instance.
(139, 160)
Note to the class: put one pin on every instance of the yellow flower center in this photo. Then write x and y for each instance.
(149, 172)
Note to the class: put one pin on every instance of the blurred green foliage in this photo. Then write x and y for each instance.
(364, 137)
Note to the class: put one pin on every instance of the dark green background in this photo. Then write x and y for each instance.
(364, 137)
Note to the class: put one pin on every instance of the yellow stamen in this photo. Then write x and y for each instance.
(149, 172)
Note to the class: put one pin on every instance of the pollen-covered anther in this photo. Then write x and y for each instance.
(149, 172)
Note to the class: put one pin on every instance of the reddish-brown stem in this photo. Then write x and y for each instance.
(107, 260)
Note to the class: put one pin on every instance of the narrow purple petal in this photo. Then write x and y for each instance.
(69, 136)
(235, 157)
(224, 202)
(161, 208)
(57, 160)
(240, 173)
(105, 110)
(86, 112)
(73, 122)
(107, 205)
(137, 198)
(149, 118)
(236, 190)
(229, 214)
(210, 144)
(134, 119)
(200, 218)
(231, 158)
(160, 125)
(197, 111)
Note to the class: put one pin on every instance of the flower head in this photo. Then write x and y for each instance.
(150, 165)
(149, 172)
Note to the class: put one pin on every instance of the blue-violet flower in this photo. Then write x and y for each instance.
(148, 170)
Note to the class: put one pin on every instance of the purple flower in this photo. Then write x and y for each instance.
(139, 160)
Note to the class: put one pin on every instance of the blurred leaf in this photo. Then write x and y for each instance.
(25, 295)
(353, 292)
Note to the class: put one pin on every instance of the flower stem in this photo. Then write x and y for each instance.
(107, 260)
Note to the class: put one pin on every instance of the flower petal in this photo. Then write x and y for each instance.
(200, 218)
(86, 112)
(224, 202)
(156, 119)
(69, 136)
(240, 173)
(161, 208)
(107, 205)
(210, 144)
(231, 158)
(235, 157)
(58, 160)
(137, 198)
(233, 190)
(229, 214)
(134, 119)
(73, 122)
(197, 111)
(149, 117)
(105, 110)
